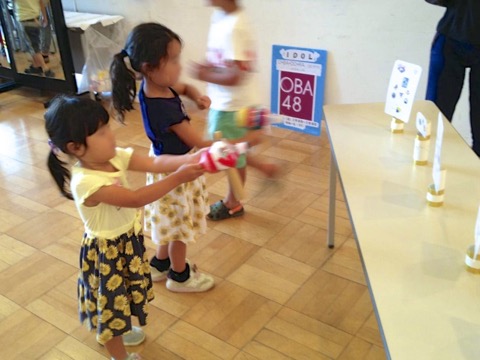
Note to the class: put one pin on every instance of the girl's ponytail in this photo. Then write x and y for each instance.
(60, 173)
(124, 87)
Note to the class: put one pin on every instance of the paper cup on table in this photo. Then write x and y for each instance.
(421, 150)
(472, 261)
(435, 198)
(397, 126)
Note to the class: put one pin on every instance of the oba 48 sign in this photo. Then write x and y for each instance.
(298, 87)
(297, 94)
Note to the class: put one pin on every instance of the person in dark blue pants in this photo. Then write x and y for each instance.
(455, 48)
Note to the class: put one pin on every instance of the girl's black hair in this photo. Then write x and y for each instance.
(147, 44)
(70, 119)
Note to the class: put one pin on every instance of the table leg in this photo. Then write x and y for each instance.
(331, 204)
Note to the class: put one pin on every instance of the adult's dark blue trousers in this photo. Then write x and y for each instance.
(449, 60)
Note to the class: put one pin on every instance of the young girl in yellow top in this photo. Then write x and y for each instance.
(114, 281)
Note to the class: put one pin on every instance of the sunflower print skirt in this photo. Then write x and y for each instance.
(180, 215)
(114, 283)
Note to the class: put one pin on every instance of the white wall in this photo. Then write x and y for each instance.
(363, 38)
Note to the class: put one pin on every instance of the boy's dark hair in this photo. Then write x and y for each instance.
(146, 45)
(70, 119)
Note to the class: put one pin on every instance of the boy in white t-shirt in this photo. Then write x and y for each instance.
(230, 62)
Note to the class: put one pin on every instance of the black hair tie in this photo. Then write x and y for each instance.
(124, 53)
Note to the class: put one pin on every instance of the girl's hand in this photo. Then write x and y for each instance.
(189, 172)
(203, 102)
(195, 157)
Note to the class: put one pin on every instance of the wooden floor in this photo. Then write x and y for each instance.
(280, 292)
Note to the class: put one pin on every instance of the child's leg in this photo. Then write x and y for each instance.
(177, 250)
(225, 122)
(230, 201)
(116, 349)
(270, 170)
(162, 252)
(160, 263)
(182, 277)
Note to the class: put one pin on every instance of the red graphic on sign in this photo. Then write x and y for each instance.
(297, 93)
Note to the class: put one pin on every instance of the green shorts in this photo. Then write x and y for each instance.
(224, 121)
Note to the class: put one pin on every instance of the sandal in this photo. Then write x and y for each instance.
(33, 70)
(219, 211)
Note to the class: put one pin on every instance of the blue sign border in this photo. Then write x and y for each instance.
(301, 56)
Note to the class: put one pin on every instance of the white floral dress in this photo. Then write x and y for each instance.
(180, 215)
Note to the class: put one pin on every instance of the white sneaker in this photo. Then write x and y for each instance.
(134, 337)
(197, 282)
(158, 275)
(132, 356)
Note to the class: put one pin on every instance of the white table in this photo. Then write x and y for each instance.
(427, 304)
(82, 21)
